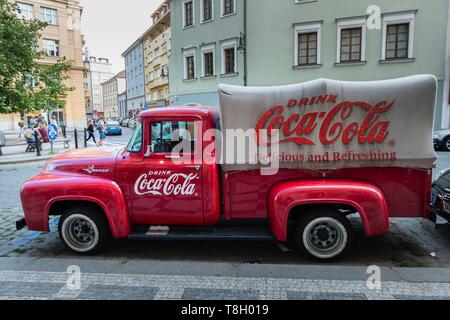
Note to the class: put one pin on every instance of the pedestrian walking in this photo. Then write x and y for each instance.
(90, 131)
(21, 127)
(101, 130)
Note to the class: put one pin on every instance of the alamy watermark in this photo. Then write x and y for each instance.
(374, 17)
(374, 279)
(73, 281)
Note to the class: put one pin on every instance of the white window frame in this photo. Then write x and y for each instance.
(208, 49)
(308, 27)
(398, 18)
(157, 72)
(303, 1)
(45, 12)
(189, 53)
(350, 24)
(202, 18)
(227, 45)
(28, 13)
(184, 14)
(55, 48)
(222, 9)
(164, 48)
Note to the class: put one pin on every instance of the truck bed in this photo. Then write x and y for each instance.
(406, 190)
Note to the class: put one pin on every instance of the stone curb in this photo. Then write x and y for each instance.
(20, 161)
(221, 269)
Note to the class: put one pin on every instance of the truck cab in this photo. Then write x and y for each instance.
(164, 187)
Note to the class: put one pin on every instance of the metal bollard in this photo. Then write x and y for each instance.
(85, 137)
(64, 131)
(38, 147)
(75, 135)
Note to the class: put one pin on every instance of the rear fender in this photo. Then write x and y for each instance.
(366, 198)
(40, 193)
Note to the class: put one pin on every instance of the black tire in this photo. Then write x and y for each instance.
(71, 230)
(323, 234)
(446, 144)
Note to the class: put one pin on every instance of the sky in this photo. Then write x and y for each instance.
(111, 26)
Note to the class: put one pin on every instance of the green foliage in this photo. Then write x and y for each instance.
(26, 84)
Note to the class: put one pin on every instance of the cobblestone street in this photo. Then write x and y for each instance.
(411, 243)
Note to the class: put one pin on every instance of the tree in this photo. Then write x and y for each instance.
(27, 84)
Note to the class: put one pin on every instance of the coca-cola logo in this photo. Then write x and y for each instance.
(174, 184)
(335, 124)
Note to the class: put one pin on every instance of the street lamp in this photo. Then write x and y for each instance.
(165, 73)
(242, 45)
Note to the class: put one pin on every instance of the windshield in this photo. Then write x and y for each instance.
(135, 144)
(112, 123)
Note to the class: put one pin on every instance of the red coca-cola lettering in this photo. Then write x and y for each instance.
(296, 128)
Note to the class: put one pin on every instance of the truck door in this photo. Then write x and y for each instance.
(166, 186)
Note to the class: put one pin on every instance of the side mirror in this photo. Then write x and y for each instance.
(150, 150)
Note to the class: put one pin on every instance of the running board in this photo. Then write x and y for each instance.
(247, 233)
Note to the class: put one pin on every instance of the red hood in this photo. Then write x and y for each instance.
(98, 162)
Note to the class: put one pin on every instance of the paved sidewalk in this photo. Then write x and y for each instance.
(15, 150)
(140, 280)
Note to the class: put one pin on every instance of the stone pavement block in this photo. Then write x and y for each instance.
(412, 297)
(291, 295)
(219, 294)
(107, 292)
(27, 289)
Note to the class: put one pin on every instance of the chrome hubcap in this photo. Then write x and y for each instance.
(325, 237)
(80, 233)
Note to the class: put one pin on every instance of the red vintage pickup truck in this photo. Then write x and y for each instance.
(324, 150)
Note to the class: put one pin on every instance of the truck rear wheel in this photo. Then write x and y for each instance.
(323, 234)
(84, 230)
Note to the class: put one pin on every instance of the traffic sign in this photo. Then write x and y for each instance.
(52, 132)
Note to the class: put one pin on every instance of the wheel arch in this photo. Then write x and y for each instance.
(118, 222)
(286, 200)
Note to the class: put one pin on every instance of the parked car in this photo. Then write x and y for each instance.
(441, 139)
(113, 128)
(125, 122)
(441, 195)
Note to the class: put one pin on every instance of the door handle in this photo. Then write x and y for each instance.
(172, 156)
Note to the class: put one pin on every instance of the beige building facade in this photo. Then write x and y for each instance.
(97, 71)
(157, 49)
(61, 38)
(111, 90)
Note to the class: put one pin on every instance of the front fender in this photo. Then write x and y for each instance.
(366, 198)
(41, 192)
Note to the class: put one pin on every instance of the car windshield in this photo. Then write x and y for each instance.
(112, 123)
(135, 144)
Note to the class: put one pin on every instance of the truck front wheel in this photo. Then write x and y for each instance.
(323, 234)
(84, 230)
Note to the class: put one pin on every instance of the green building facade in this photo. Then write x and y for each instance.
(291, 41)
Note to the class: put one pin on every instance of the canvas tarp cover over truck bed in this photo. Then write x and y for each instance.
(327, 124)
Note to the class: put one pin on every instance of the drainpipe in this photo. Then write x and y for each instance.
(245, 42)
(445, 96)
